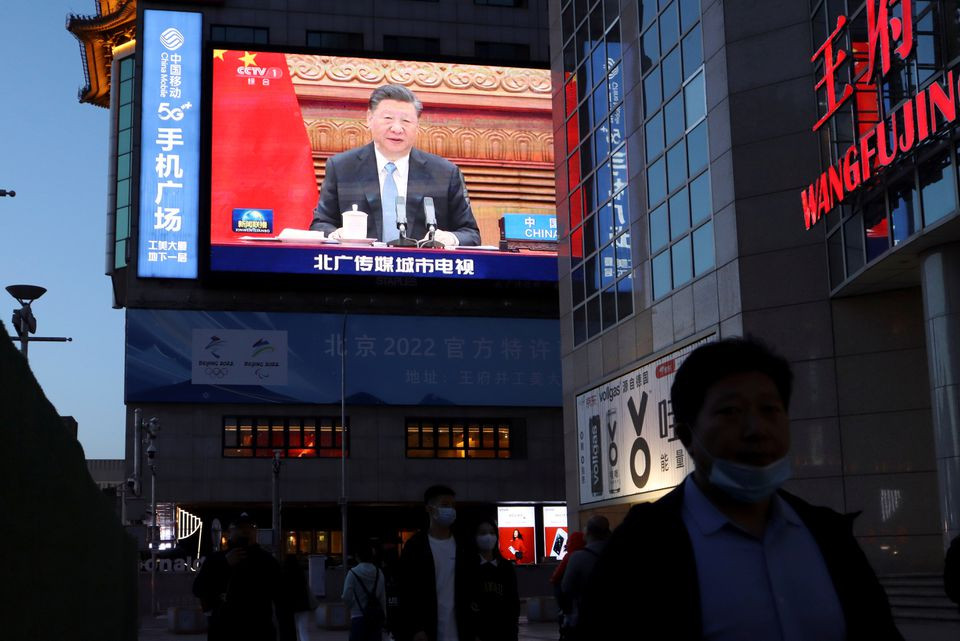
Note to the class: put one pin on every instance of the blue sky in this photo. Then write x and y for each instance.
(54, 154)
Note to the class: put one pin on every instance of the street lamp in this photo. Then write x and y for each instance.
(7, 192)
(24, 322)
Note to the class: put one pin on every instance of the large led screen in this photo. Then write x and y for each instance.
(481, 166)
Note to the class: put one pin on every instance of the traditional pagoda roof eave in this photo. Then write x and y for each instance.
(98, 35)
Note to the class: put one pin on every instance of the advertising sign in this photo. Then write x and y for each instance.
(625, 439)
(517, 526)
(278, 118)
(170, 144)
(555, 531)
(265, 357)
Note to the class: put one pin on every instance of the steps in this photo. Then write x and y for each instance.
(919, 597)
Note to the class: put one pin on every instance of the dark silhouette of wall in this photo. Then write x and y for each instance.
(67, 567)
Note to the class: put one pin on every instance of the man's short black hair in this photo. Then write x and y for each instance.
(598, 527)
(394, 92)
(714, 361)
(437, 490)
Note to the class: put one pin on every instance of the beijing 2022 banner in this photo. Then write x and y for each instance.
(625, 439)
(266, 357)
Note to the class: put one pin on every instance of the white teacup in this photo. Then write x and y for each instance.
(354, 224)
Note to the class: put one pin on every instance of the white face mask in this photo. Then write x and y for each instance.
(445, 516)
(486, 542)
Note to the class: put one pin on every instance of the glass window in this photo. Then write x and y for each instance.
(654, 136)
(123, 193)
(703, 249)
(700, 201)
(485, 438)
(673, 119)
(692, 52)
(576, 285)
(679, 215)
(648, 11)
(696, 104)
(507, 51)
(576, 246)
(592, 276)
(661, 274)
(123, 142)
(608, 265)
(876, 231)
(649, 48)
(676, 166)
(651, 92)
(659, 228)
(615, 85)
(689, 13)
(126, 68)
(124, 115)
(697, 155)
(579, 325)
(608, 307)
(835, 258)
(904, 212)
(590, 243)
(410, 45)
(682, 262)
(625, 296)
(601, 140)
(672, 75)
(335, 40)
(938, 191)
(605, 224)
(669, 28)
(593, 316)
(624, 255)
(123, 166)
(853, 243)
(656, 182)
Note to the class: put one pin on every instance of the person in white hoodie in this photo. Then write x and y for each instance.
(364, 592)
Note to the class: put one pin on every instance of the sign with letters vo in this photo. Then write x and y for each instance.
(625, 439)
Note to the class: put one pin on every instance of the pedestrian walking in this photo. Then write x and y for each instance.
(364, 590)
(242, 590)
(575, 542)
(575, 583)
(435, 574)
(494, 604)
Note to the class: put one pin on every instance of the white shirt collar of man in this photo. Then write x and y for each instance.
(403, 165)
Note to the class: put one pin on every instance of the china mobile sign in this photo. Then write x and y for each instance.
(170, 144)
(889, 34)
(625, 438)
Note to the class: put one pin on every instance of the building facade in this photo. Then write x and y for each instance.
(442, 383)
(691, 138)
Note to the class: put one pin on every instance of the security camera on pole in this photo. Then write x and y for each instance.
(23, 321)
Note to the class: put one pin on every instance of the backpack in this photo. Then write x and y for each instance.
(373, 617)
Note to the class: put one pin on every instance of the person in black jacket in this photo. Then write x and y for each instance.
(434, 577)
(727, 555)
(243, 589)
(951, 571)
(494, 603)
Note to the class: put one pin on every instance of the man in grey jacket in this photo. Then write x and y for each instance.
(579, 569)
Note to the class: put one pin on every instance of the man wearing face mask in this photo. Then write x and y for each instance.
(434, 581)
(727, 555)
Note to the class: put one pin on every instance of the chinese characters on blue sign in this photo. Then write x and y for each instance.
(539, 227)
(170, 144)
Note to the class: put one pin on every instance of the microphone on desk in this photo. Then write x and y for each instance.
(402, 241)
(430, 214)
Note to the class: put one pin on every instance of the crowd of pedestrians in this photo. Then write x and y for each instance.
(726, 555)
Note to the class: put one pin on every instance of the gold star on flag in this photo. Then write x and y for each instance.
(248, 58)
(218, 53)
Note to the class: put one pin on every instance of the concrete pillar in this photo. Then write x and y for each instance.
(941, 309)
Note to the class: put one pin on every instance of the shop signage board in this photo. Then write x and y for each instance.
(555, 531)
(517, 533)
(170, 144)
(878, 142)
(625, 439)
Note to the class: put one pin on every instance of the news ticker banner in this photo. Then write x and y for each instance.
(625, 439)
(266, 357)
(458, 264)
(170, 144)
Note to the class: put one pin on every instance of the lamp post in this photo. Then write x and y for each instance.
(24, 322)
(152, 429)
(7, 192)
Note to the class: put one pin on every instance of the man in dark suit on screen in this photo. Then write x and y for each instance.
(373, 176)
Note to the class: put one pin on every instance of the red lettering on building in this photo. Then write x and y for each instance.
(666, 369)
(883, 30)
(831, 63)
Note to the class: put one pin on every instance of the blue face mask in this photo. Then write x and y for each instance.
(747, 483)
(445, 516)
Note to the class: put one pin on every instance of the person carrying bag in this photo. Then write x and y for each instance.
(367, 610)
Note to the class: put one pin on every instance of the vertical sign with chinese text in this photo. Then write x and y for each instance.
(625, 439)
(170, 144)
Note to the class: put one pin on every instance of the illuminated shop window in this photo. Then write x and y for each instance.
(462, 438)
(600, 246)
(295, 437)
(679, 204)
(311, 542)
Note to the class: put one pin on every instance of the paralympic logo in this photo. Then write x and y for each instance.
(260, 347)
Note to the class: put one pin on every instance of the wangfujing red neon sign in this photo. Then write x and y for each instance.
(881, 140)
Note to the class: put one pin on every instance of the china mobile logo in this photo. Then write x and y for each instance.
(889, 31)
(171, 39)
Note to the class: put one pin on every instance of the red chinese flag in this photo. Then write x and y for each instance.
(260, 152)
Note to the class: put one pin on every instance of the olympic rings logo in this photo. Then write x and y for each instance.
(216, 372)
